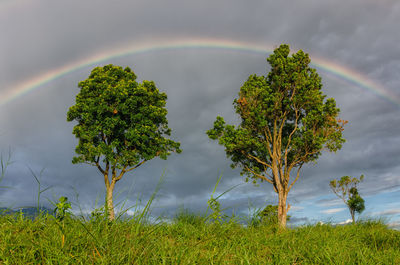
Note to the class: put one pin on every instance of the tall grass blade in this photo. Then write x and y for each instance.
(146, 209)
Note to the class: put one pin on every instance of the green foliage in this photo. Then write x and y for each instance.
(61, 209)
(342, 187)
(191, 240)
(24, 241)
(217, 215)
(61, 212)
(120, 119)
(355, 202)
(270, 214)
(267, 216)
(98, 214)
(285, 122)
(346, 189)
(122, 122)
(284, 115)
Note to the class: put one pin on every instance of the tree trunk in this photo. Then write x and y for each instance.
(352, 215)
(282, 209)
(109, 202)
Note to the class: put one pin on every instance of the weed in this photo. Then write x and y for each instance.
(61, 208)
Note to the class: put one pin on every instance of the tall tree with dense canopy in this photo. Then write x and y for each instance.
(285, 123)
(121, 123)
(346, 189)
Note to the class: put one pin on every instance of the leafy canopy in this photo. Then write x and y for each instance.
(120, 119)
(346, 187)
(284, 117)
(355, 202)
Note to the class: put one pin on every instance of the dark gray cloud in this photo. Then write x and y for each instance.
(39, 36)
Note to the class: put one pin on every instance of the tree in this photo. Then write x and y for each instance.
(346, 189)
(285, 123)
(121, 123)
(356, 203)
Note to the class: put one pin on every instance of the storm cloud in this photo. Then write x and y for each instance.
(40, 36)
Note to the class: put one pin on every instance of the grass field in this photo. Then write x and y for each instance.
(188, 239)
(191, 240)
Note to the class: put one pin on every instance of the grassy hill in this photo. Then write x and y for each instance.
(191, 240)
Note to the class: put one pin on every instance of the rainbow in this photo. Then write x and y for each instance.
(332, 68)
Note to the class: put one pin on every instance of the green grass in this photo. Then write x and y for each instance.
(189, 240)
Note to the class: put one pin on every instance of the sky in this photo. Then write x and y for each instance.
(199, 53)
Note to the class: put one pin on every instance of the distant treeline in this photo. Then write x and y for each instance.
(30, 212)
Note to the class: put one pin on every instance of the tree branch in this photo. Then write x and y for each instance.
(103, 137)
(258, 175)
(266, 171)
(141, 163)
(113, 171)
(297, 176)
(257, 159)
(106, 179)
(123, 171)
(268, 138)
(279, 138)
(287, 148)
(99, 167)
(341, 197)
